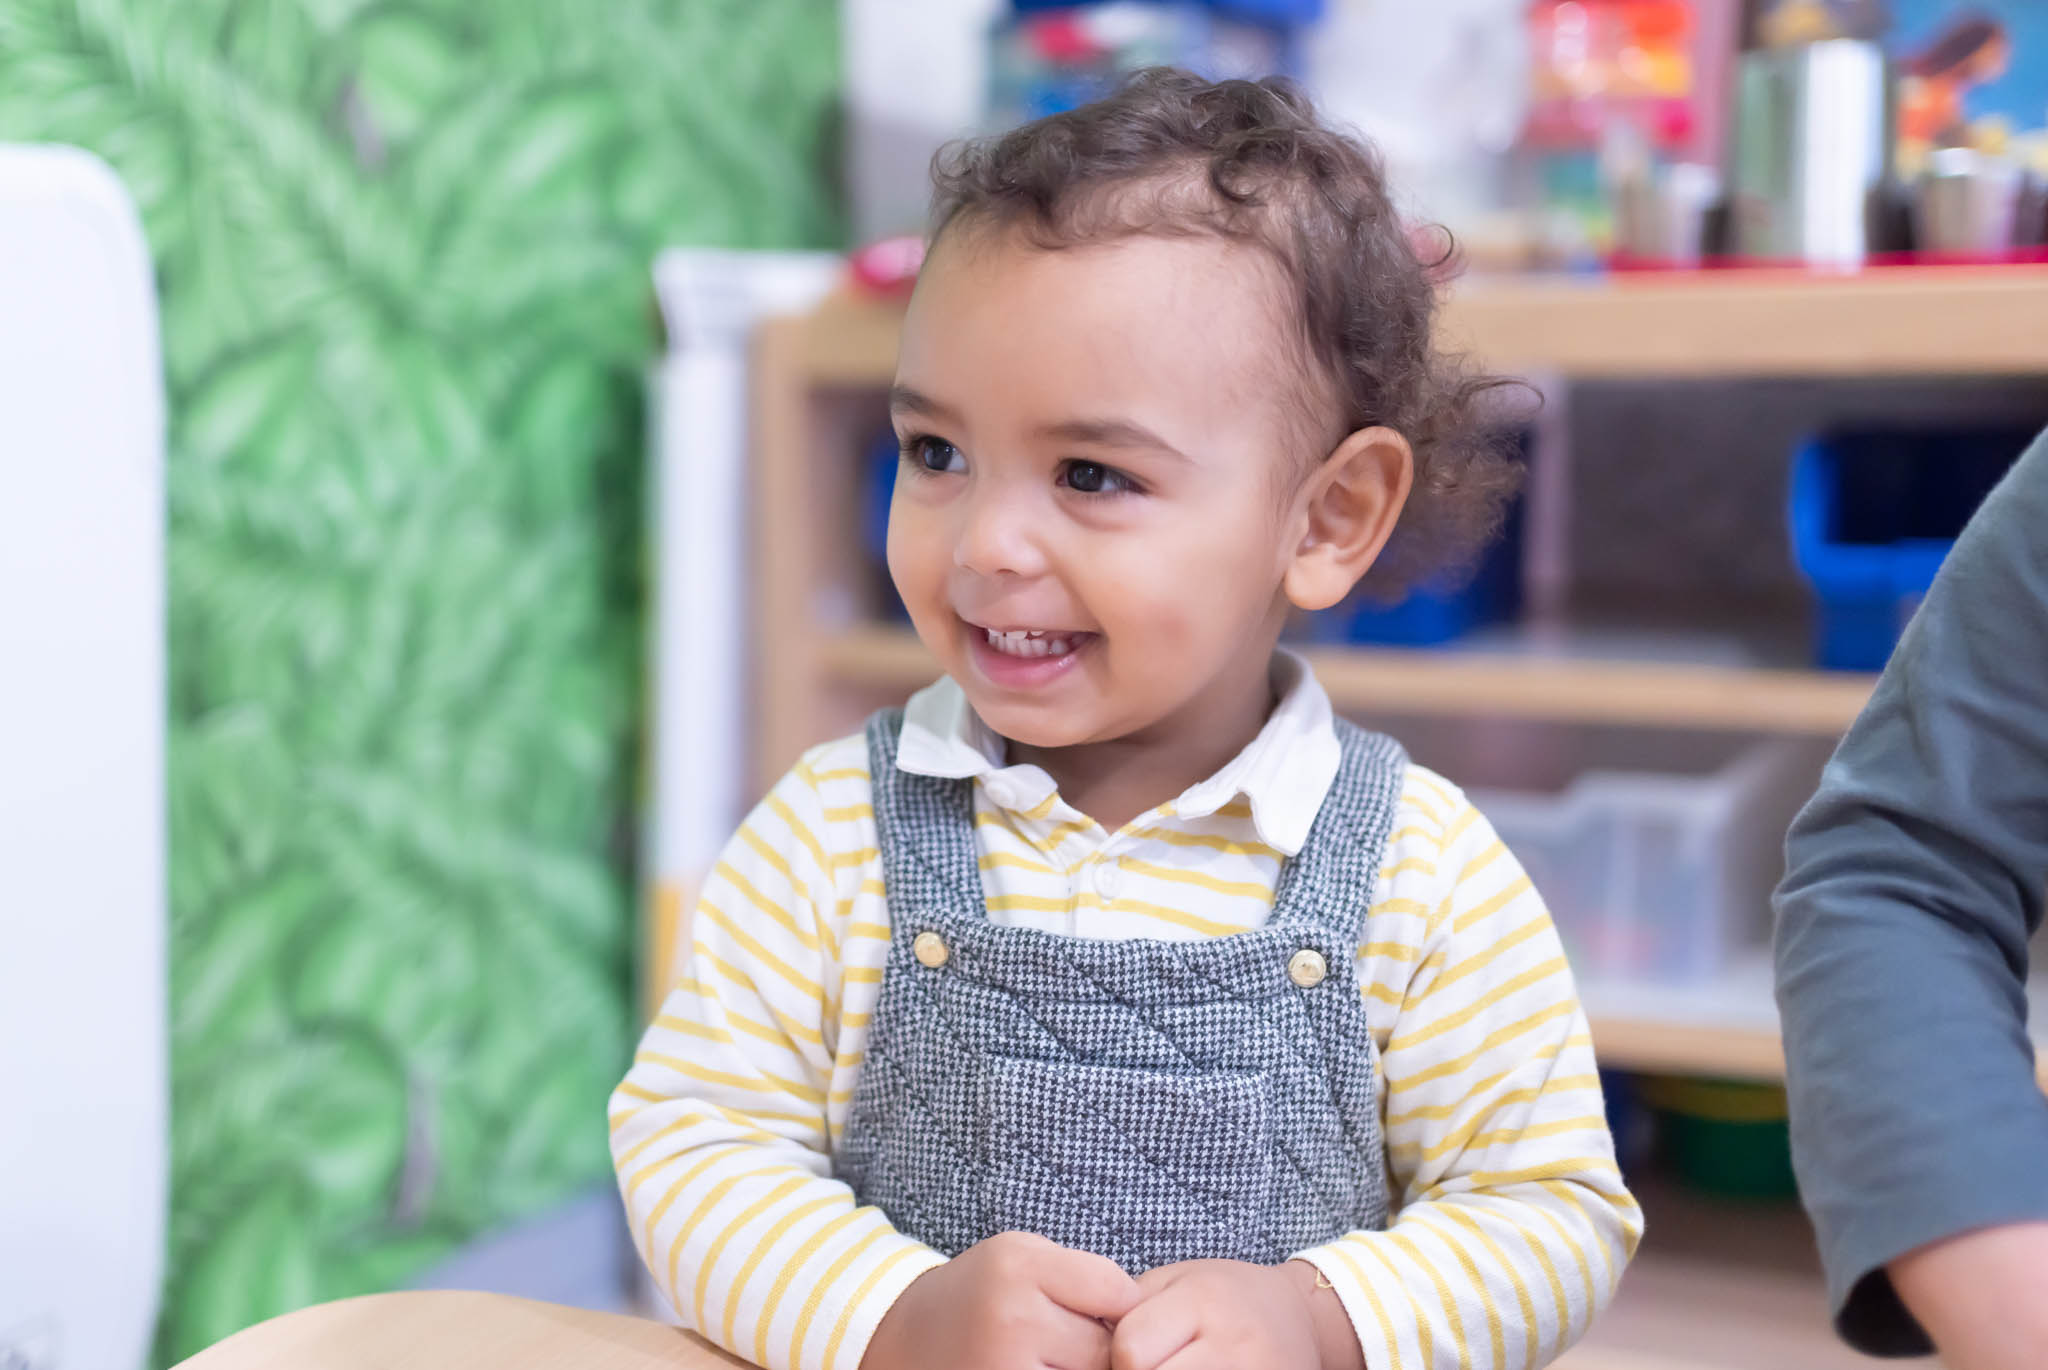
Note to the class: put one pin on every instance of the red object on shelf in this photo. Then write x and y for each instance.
(1624, 263)
(1062, 39)
(2018, 256)
(887, 267)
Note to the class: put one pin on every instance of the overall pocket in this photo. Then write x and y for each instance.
(1144, 1167)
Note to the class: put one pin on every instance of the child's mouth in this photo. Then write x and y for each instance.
(1024, 657)
(1030, 642)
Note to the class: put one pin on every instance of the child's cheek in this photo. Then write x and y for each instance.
(1157, 611)
(917, 559)
(909, 549)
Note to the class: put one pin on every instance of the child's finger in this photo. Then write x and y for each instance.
(1156, 1329)
(1158, 1278)
(1193, 1356)
(1085, 1283)
(1074, 1342)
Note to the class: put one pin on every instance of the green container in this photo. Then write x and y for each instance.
(1725, 1138)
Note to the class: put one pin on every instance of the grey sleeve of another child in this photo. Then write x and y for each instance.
(1914, 879)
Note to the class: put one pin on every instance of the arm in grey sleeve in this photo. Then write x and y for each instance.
(1914, 878)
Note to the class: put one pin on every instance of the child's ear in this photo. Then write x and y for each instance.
(1347, 511)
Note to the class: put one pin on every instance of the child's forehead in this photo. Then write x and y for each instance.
(1174, 267)
(1189, 308)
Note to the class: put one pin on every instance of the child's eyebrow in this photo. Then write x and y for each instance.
(1111, 433)
(905, 400)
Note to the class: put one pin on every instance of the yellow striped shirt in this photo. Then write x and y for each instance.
(1512, 1223)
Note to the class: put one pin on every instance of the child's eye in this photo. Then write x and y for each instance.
(1093, 478)
(933, 456)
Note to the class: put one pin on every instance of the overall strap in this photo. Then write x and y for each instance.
(1329, 884)
(924, 826)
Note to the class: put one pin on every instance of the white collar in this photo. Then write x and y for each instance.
(1284, 772)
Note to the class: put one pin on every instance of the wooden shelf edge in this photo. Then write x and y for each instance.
(1650, 1047)
(1571, 690)
(1720, 698)
(1892, 321)
(1641, 1046)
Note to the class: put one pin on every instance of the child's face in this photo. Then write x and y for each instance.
(1099, 456)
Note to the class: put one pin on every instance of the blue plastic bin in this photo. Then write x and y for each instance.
(885, 456)
(1434, 614)
(1873, 513)
(1628, 1121)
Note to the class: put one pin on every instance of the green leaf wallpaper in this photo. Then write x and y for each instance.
(403, 255)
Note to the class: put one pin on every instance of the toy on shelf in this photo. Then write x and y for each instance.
(886, 268)
(1046, 58)
(1598, 61)
(1971, 73)
(1619, 89)
(1964, 108)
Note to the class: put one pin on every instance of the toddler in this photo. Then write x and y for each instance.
(1113, 1003)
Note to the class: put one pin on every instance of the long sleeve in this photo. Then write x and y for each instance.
(721, 1134)
(1513, 1224)
(1914, 879)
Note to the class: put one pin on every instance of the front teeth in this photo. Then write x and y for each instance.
(1028, 643)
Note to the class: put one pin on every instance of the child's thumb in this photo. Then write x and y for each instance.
(1085, 1283)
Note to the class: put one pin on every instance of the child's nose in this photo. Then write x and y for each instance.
(999, 536)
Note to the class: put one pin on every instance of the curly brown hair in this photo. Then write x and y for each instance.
(1250, 161)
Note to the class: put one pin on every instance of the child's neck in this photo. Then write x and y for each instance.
(1119, 779)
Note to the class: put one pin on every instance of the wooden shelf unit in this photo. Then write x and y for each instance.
(821, 664)
(1713, 1290)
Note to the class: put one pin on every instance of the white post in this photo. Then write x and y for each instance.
(697, 647)
(697, 617)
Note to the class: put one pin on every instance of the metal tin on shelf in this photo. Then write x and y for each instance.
(1813, 147)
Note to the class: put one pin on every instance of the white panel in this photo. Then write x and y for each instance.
(83, 1085)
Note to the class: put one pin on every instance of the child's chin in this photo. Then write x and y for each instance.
(1033, 727)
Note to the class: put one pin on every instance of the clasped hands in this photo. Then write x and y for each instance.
(1020, 1302)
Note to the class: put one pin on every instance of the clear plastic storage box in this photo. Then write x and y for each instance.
(1661, 875)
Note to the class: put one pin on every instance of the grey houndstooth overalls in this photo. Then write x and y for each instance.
(1147, 1100)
